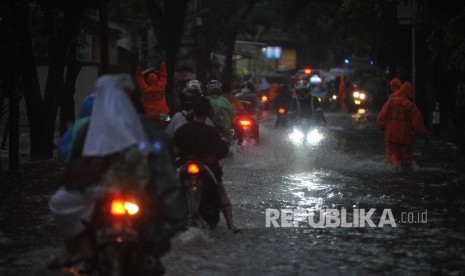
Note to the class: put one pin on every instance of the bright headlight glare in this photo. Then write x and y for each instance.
(334, 97)
(362, 96)
(296, 136)
(314, 137)
(356, 94)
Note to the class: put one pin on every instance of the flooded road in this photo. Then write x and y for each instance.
(346, 170)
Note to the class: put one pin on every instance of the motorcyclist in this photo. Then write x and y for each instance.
(283, 100)
(249, 98)
(303, 100)
(284, 97)
(222, 115)
(114, 147)
(186, 98)
(206, 143)
(192, 91)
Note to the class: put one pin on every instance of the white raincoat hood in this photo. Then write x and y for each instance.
(114, 123)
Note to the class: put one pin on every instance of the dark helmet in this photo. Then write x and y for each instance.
(196, 84)
(301, 88)
(187, 97)
(249, 85)
(284, 88)
(214, 87)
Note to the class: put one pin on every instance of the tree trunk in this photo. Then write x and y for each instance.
(168, 24)
(228, 63)
(58, 48)
(67, 111)
(30, 83)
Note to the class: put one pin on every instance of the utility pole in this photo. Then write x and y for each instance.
(406, 16)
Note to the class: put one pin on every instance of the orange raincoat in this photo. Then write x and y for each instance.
(401, 120)
(153, 92)
(395, 85)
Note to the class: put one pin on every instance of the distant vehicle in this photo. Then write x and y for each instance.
(359, 97)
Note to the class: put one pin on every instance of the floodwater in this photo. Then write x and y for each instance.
(344, 172)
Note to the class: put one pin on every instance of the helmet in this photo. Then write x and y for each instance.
(196, 84)
(301, 88)
(214, 87)
(249, 85)
(187, 97)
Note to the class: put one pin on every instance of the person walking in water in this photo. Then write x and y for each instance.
(401, 120)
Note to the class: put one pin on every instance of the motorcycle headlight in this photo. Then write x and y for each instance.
(314, 137)
(356, 94)
(362, 96)
(296, 136)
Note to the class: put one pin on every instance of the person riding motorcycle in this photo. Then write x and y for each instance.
(249, 98)
(303, 103)
(114, 148)
(222, 115)
(192, 91)
(282, 102)
(186, 98)
(203, 142)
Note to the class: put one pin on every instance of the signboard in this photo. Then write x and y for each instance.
(288, 60)
(272, 52)
(405, 12)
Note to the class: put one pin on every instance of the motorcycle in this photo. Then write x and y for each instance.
(246, 129)
(305, 131)
(282, 116)
(360, 98)
(200, 189)
(117, 230)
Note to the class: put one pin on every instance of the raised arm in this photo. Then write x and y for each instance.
(140, 79)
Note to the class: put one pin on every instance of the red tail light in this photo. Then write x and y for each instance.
(281, 111)
(193, 168)
(121, 207)
(307, 71)
(245, 123)
(264, 99)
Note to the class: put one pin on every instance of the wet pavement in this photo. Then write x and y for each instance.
(347, 171)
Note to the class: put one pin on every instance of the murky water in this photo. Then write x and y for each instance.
(347, 170)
